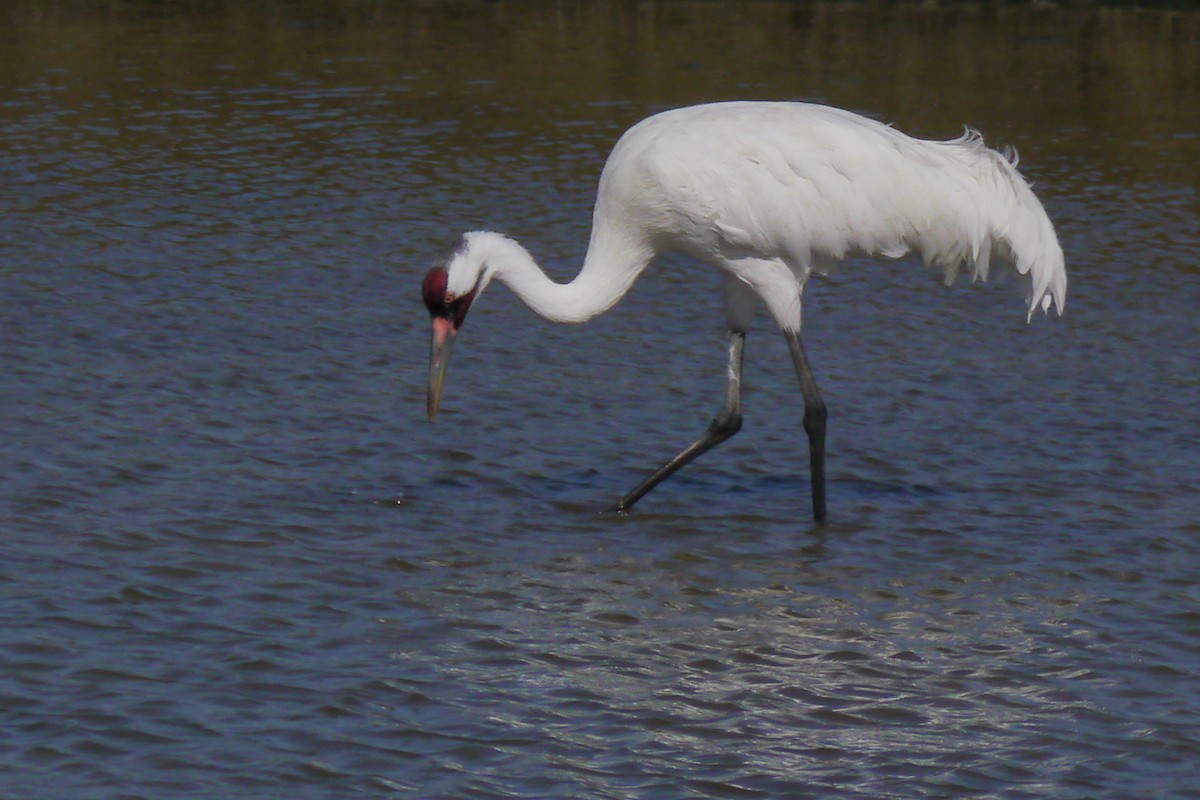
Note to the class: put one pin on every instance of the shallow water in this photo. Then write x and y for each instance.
(236, 561)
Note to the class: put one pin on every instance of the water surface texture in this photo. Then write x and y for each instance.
(236, 561)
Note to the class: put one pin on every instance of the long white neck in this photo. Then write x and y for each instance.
(612, 264)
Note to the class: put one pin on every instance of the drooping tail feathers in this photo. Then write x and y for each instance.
(1009, 223)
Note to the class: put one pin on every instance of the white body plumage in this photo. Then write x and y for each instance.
(769, 193)
(772, 192)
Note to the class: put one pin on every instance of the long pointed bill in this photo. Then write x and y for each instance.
(439, 357)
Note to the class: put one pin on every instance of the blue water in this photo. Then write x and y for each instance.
(237, 561)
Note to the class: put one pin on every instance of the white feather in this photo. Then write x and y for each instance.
(768, 193)
(771, 192)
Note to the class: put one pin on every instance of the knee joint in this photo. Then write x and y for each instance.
(814, 417)
(726, 425)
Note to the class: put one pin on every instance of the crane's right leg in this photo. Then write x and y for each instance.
(727, 422)
(814, 422)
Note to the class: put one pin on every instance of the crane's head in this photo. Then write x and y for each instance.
(448, 291)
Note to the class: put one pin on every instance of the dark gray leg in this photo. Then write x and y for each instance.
(814, 422)
(727, 422)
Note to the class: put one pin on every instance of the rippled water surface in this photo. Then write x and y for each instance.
(237, 561)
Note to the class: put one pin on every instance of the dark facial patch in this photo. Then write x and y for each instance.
(433, 292)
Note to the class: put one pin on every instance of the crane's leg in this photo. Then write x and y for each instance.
(727, 422)
(814, 422)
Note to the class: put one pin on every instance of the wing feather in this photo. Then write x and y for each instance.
(810, 185)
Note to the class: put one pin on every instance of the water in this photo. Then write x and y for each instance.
(236, 561)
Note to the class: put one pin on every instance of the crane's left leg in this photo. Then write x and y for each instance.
(814, 422)
(727, 422)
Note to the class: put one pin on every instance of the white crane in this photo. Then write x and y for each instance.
(769, 193)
